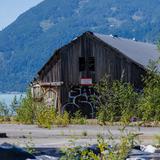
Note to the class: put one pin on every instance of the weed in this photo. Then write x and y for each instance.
(107, 151)
(30, 145)
(78, 118)
(157, 139)
(62, 119)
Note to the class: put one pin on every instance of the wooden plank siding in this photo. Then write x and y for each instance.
(64, 64)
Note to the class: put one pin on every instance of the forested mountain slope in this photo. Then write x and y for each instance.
(26, 44)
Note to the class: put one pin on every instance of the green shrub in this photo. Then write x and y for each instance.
(27, 110)
(149, 105)
(45, 116)
(31, 112)
(118, 101)
(62, 119)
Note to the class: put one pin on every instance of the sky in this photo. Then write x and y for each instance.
(11, 9)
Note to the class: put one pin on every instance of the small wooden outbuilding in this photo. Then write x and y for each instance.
(66, 80)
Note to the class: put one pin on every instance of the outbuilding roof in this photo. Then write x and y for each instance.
(140, 52)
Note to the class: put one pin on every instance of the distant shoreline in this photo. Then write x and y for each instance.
(7, 97)
(14, 92)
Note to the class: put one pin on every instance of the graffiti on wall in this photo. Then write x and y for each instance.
(82, 98)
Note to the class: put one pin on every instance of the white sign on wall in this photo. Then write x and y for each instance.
(86, 81)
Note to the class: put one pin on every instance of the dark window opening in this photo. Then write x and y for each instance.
(91, 63)
(81, 64)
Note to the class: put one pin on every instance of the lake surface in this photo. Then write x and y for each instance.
(7, 98)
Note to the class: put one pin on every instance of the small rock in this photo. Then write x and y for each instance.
(46, 157)
(150, 149)
(22, 136)
(3, 135)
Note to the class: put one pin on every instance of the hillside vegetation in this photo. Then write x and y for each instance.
(27, 43)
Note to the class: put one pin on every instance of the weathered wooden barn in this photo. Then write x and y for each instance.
(66, 79)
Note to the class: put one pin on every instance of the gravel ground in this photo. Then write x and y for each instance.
(58, 137)
(49, 142)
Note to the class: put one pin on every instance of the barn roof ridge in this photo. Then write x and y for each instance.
(129, 47)
(115, 36)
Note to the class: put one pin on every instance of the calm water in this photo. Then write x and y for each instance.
(7, 98)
